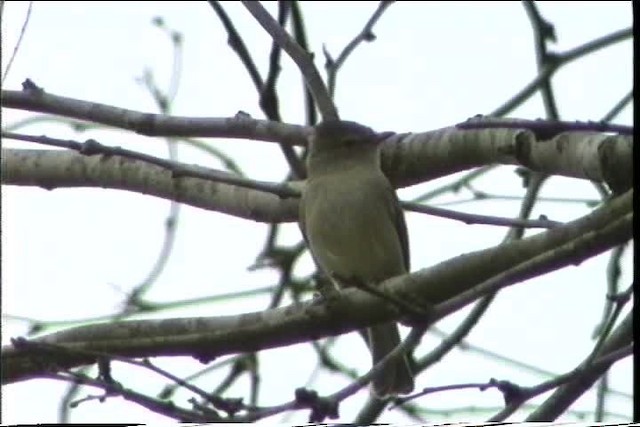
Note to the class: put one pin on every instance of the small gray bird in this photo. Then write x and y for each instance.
(353, 224)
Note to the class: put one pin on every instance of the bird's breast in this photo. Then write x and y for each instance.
(350, 230)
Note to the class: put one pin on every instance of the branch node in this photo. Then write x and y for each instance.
(321, 407)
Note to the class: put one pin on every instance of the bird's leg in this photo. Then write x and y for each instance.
(326, 289)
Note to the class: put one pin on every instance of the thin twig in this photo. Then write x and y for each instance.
(620, 105)
(303, 59)
(300, 35)
(562, 59)
(92, 147)
(543, 31)
(479, 219)
(366, 34)
(237, 44)
(19, 42)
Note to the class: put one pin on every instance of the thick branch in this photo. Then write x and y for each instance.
(448, 285)
(407, 159)
(240, 126)
(58, 168)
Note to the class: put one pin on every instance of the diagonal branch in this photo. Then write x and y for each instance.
(303, 59)
(30, 169)
(447, 287)
(366, 34)
(239, 126)
(566, 394)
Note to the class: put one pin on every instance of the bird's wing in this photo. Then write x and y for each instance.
(397, 216)
(301, 220)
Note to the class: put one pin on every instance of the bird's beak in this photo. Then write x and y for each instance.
(384, 135)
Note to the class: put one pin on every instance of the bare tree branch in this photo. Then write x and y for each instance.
(366, 34)
(561, 59)
(568, 393)
(240, 126)
(407, 159)
(451, 285)
(303, 59)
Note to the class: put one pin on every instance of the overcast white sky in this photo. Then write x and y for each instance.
(75, 253)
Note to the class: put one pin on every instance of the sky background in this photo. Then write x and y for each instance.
(76, 253)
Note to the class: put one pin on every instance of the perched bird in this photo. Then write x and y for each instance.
(353, 224)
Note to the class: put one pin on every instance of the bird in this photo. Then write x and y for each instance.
(355, 229)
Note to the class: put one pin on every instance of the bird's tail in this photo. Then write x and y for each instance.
(396, 378)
